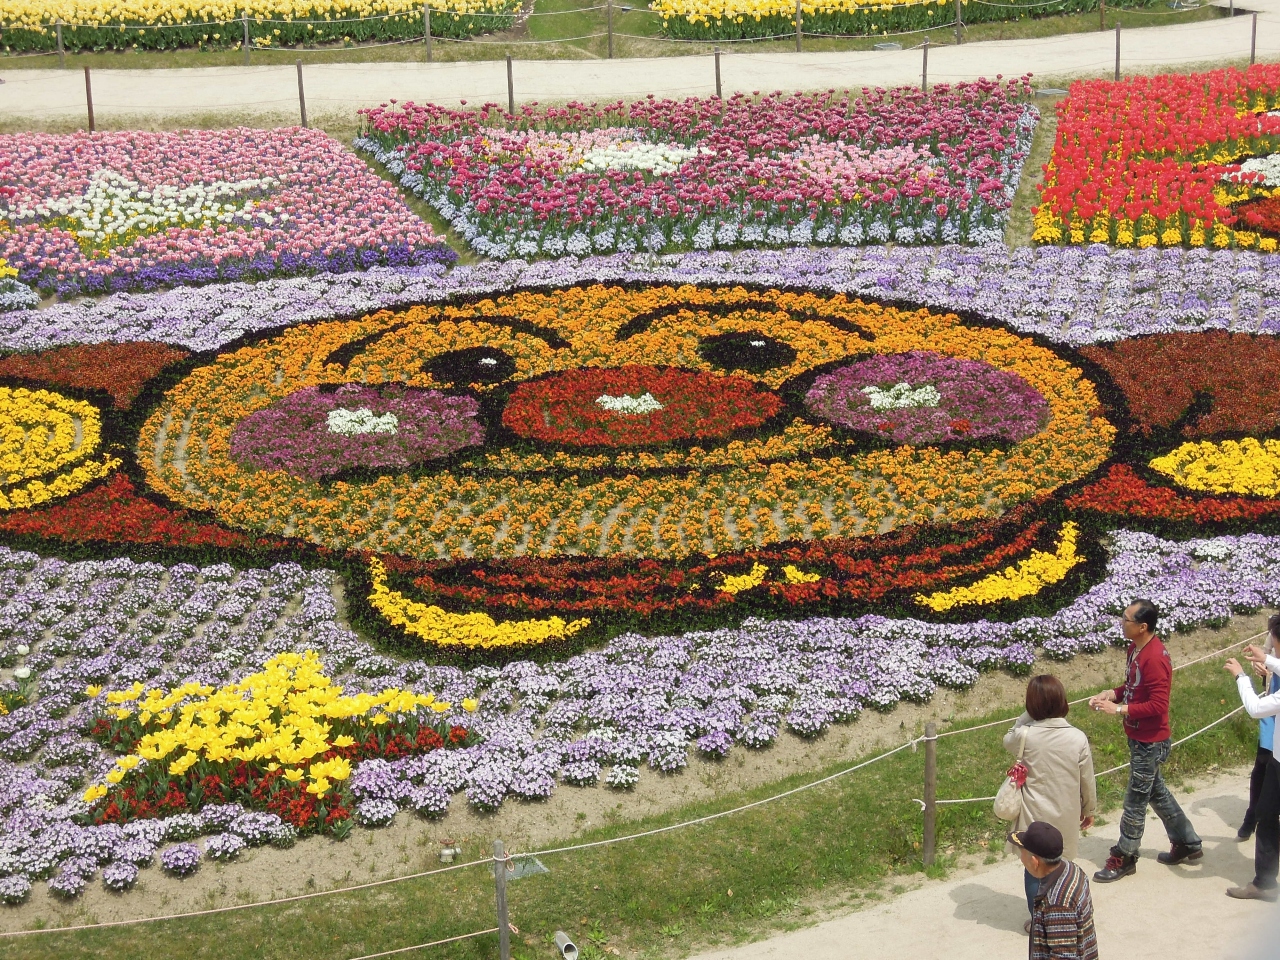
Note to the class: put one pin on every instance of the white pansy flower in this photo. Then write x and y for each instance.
(659, 158)
(901, 396)
(645, 403)
(1268, 166)
(363, 420)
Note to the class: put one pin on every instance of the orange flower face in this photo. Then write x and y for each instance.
(659, 422)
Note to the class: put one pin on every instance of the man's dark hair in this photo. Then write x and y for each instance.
(1144, 611)
(1046, 697)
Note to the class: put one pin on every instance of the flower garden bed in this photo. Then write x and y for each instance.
(740, 19)
(702, 173)
(128, 24)
(588, 515)
(126, 211)
(1168, 160)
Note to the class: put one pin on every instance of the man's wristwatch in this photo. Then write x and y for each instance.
(1123, 710)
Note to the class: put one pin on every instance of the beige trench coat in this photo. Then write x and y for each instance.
(1059, 788)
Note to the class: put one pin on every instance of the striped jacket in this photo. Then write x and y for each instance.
(1062, 923)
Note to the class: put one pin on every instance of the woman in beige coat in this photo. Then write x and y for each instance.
(1059, 788)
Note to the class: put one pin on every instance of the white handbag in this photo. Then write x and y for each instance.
(1008, 805)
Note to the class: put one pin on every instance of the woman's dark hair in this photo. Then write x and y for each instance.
(1046, 697)
(1273, 625)
(1144, 611)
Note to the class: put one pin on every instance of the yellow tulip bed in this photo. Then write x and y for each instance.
(170, 24)
(738, 19)
(282, 739)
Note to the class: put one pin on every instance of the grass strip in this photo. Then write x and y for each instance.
(722, 881)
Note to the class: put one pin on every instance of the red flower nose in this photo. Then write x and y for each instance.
(635, 406)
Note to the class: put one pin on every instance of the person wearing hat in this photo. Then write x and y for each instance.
(1062, 921)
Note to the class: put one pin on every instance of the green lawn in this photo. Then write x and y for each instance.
(770, 867)
(555, 20)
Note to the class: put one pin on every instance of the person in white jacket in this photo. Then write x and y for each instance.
(1266, 851)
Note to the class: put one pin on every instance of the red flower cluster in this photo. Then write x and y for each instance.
(588, 407)
(1122, 493)
(1262, 214)
(120, 369)
(259, 788)
(1161, 377)
(112, 512)
(863, 569)
(1143, 147)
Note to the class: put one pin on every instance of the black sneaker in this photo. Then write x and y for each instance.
(1117, 866)
(1180, 853)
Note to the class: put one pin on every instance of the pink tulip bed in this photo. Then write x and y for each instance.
(139, 210)
(890, 166)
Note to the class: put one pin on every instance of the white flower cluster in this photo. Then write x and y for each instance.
(659, 158)
(351, 422)
(902, 395)
(1268, 166)
(113, 206)
(645, 403)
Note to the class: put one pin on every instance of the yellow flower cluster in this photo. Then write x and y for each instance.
(724, 497)
(7, 271)
(1247, 466)
(736, 583)
(708, 12)
(440, 628)
(280, 717)
(33, 14)
(1028, 578)
(1148, 231)
(42, 434)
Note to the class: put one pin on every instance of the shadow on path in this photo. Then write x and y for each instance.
(977, 903)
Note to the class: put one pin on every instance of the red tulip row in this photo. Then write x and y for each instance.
(1140, 162)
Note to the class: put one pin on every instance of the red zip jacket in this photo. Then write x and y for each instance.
(1148, 680)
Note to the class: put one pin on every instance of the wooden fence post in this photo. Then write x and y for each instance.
(930, 793)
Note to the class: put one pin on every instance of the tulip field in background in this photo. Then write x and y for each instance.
(1167, 160)
(29, 25)
(899, 165)
(304, 527)
(738, 19)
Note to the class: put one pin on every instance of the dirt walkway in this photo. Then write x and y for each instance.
(269, 94)
(977, 912)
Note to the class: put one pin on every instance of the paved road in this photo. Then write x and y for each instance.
(1163, 912)
(269, 93)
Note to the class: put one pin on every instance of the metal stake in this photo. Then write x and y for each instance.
(924, 72)
(1253, 42)
(719, 94)
(799, 27)
(511, 90)
(930, 792)
(244, 19)
(959, 22)
(62, 53)
(426, 27)
(1117, 53)
(88, 97)
(609, 8)
(500, 888)
(1102, 16)
(302, 97)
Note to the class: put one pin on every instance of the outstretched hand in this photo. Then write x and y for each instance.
(1232, 666)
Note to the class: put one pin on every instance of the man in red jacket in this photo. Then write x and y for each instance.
(1143, 703)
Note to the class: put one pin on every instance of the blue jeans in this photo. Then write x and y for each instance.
(1147, 788)
(1032, 886)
